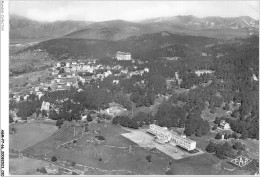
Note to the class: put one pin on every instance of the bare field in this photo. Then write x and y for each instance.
(30, 134)
(25, 166)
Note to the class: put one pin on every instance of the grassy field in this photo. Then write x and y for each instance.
(119, 155)
(18, 83)
(25, 166)
(49, 144)
(204, 164)
(196, 165)
(252, 148)
(119, 158)
(202, 142)
(30, 134)
(219, 112)
(211, 117)
(31, 59)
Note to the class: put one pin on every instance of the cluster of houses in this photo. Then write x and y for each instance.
(163, 135)
(45, 106)
(140, 72)
(71, 70)
(70, 76)
(113, 110)
(63, 82)
(38, 91)
(14, 116)
(75, 67)
(224, 125)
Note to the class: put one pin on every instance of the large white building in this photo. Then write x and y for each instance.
(161, 133)
(183, 142)
(173, 138)
(123, 56)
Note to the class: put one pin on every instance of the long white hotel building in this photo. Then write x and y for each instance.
(161, 133)
(165, 135)
(123, 56)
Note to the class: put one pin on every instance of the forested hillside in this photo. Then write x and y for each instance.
(150, 46)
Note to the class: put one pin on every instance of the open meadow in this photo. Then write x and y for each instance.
(23, 62)
(66, 133)
(29, 134)
(205, 164)
(202, 142)
(25, 166)
(118, 155)
(207, 115)
(114, 155)
(252, 148)
(27, 80)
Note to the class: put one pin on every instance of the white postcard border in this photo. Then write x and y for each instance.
(5, 87)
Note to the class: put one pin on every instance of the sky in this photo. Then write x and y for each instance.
(130, 10)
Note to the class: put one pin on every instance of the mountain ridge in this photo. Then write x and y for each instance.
(147, 45)
(22, 28)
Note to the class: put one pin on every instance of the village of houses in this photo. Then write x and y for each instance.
(163, 139)
(70, 77)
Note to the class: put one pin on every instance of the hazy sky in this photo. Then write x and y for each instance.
(130, 10)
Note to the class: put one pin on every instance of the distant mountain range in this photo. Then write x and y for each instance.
(26, 30)
(147, 46)
(23, 29)
(206, 23)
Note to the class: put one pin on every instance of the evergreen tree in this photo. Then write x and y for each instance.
(89, 118)
(44, 113)
(218, 136)
(226, 107)
(53, 159)
(211, 147)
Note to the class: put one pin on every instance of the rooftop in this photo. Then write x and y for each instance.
(123, 53)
